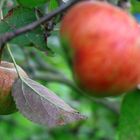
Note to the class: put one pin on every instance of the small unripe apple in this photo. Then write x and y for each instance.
(104, 45)
(8, 75)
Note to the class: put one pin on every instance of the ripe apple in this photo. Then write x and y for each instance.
(8, 75)
(104, 44)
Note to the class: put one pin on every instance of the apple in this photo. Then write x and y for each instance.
(103, 43)
(8, 75)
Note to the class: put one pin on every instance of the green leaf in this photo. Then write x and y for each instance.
(31, 3)
(20, 17)
(53, 4)
(135, 6)
(129, 125)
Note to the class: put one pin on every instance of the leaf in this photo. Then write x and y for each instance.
(31, 3)
(53, 4)
(129, 125)
(40, 105)
(19, 17)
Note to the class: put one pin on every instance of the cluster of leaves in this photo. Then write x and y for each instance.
(101, 123)
(33, 100)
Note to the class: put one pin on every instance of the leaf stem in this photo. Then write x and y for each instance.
(13, 59)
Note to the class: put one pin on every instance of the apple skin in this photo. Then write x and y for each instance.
(103, 43)
(8, 75)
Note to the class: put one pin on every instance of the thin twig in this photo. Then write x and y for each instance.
(10, 35)
(14, 61)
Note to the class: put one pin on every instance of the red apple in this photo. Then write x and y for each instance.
(8, 75)
(104, 44)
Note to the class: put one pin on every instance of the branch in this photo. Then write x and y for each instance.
(10, 35)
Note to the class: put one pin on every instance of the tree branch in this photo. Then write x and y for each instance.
(10, 35)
